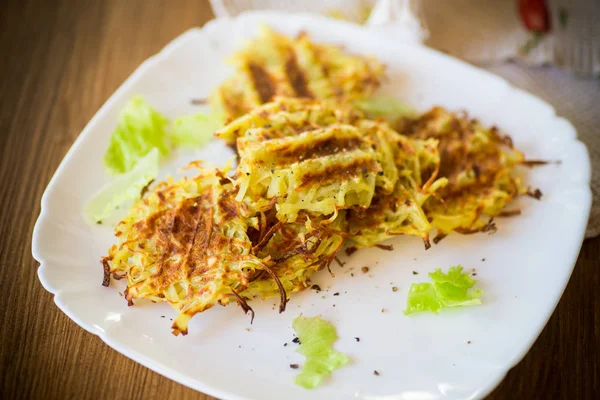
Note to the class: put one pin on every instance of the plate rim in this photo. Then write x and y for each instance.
(172, 373)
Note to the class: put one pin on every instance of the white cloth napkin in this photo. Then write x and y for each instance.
(488, 33)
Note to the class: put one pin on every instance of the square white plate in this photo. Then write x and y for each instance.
(456, 355)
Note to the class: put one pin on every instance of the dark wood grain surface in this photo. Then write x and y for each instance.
(59, 62)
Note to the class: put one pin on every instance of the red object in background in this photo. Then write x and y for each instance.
(535, 15)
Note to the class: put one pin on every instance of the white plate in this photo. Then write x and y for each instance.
(527, 262)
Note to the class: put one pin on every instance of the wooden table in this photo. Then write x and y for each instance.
(59, 62)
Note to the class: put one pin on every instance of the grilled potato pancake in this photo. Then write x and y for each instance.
(276, 65)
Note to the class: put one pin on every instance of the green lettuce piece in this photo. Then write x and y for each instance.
(140, 129)
(453, 289)
(127, 186)
(384, 106)
(316, 340)
(195, 130)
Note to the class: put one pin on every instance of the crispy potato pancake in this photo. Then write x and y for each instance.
(276, 65)
(479, 165)
(191, 244)
(185, 243)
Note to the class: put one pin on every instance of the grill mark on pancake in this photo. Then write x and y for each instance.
(334, 173)
(263, 83)
(296, 76)
(235, 107)
(316, 149)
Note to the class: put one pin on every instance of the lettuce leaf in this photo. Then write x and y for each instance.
(195, 130)
(453, 289)
(316, 340)
(124, 187)
(384, 106)
(140, 129)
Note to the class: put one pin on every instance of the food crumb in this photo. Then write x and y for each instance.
(415, 273)
(357, 339)
(296, 340)
(383, 310)
(352, 275)
(468, 342)
(162, 316)
(365, 269)
(351, 250)
(323, 297)
(294, 366)
(120, 294)
(240, 346)
(285, 344)
(334, 305)
(375, 372)
(316, 287)
(474, 274)
(483, 259)
(336, 294)
(247, 329)
(394, 289)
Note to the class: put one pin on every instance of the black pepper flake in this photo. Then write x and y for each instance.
(394, 289)
(474, 274)
(316, 287)
(365, 270)
(375, 372)
(483, 259)
(415, 273)
(247, 173)
(162, 316)
(272, 171)
(352, 274)
(294, 366)
(336, 294)
(285, 344)
(98, 222)
(407, 202)
(357, 339)
(380, 173)
(468, 342)
(296, 340)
